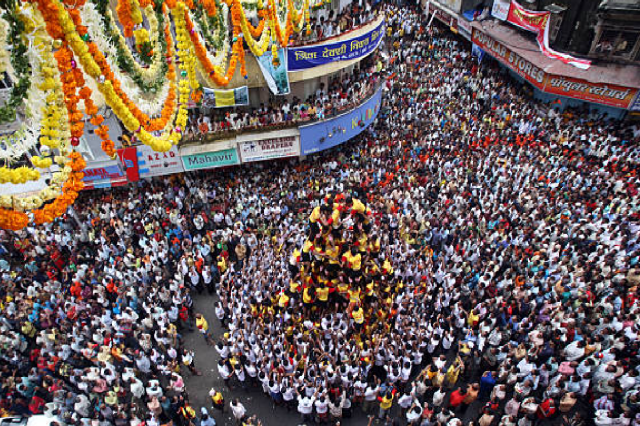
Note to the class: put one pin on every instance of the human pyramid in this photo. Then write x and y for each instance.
(340, 267)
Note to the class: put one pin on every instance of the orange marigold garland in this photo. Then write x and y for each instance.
(123, 10)
(201, 54)
(13, 220)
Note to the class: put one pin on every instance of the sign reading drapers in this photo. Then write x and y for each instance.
(300, 58)
(214, 98)
(267, 149)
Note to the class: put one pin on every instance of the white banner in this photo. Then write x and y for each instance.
(265, 149)
(500, 9)
(151, 163)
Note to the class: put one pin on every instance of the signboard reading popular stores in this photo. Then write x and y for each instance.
(521, 66)
(266, 149)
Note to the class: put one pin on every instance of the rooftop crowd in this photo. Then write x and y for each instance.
(504, 271)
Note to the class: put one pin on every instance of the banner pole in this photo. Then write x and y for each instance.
(431, 20)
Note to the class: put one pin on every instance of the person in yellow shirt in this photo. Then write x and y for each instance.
(386, 402)
(308, 295)
(354, 295)
(322, 295)
(307, 250)
(352, 260)
(473, 318)
(362, 242)
(217, 400)
(369, 292)
(356, 261)
(387, 268)
(343, 289)
(203, 326)
(294, 261)
(222, 264)
(374, 245)
(294, 287)
(358, 317)
(314, 224)
(332, 254)
(283, 300)
(335, 221)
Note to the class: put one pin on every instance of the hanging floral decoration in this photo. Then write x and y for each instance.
(143, 59)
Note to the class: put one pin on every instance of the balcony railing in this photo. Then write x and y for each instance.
(368, 89)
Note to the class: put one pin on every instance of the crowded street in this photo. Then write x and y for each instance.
(469, 259)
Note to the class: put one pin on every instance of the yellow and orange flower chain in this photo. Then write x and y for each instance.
(76, 56)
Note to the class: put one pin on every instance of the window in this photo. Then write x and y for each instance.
(617, 44)
(555, 21)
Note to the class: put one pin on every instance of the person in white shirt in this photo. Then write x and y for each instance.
(322, 408)
(305, 406)
(238, 410)
(370, 395)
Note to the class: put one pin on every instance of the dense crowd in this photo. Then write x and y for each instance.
(342, 94)
(506, 233)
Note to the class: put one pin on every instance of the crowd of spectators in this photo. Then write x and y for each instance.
(341, 95)
(327, 26)
(508, 232)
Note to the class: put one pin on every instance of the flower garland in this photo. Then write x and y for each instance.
(20, 66)
(54, 123)
(257, 48)
(17, 176)
(25, 137)
(13, 220)
(4, 51)
(275, 23)
(218, 39)
(150, 102)
(124, 12)
(149, 79)
(207, 69)
(213, 28)
(96, 65)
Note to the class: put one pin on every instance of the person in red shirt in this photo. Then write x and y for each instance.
(457, 397)
(546, 409)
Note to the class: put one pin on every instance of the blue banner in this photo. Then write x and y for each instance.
(477, 52)
(635, 105)
(275, 74)
(301, 58)
(327, 134)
